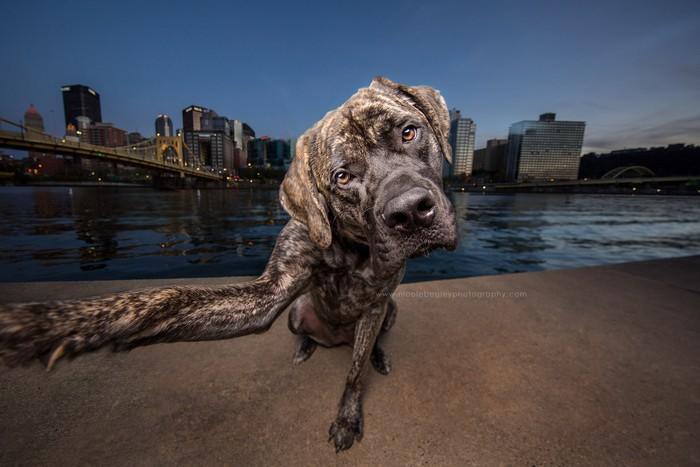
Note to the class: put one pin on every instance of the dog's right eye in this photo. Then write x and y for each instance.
(409, 133)
(342, 177)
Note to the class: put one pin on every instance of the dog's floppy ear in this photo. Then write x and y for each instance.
(300, 197)
(429, 102)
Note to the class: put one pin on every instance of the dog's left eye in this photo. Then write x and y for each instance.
(409, 133)
(342, 177)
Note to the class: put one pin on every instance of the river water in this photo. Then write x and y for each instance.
(80, 233)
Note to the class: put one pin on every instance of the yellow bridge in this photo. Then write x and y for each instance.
(161, 153)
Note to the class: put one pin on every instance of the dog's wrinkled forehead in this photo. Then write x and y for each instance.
(367, 117)
(370, 115)
(360, 123)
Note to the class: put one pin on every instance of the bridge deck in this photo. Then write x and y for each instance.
(47, 144)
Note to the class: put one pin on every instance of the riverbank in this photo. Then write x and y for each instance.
(664, 186)
(588, 366)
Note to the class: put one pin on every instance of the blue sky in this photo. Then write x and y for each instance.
(630, 69)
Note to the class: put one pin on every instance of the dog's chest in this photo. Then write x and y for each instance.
(343, 294)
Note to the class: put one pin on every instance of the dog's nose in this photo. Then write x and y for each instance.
(410, 210)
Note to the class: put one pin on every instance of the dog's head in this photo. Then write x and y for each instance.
(371, 171)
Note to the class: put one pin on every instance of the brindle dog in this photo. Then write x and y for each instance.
(364, 193)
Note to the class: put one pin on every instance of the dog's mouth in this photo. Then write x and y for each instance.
(445, 237)
(389, 250)
(424, 250)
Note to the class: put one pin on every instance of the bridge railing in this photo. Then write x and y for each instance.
(145, 151)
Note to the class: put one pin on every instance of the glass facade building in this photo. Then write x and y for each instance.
(164, 126)
(266, 153)
(208, 139)
(79, 100)
(462, 140)
(544, 149)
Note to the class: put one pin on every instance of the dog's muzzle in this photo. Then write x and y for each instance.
(417, 214)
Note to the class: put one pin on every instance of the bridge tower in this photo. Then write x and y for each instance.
(169, 150)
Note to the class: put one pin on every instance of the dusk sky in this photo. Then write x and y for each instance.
(630, 69)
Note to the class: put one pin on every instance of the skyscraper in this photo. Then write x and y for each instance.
(33, 121)
(257, 152)
(243, 135)
(237, 132)
(278, 154)
(34, 127)
(208, 138)
(491, 160)
(462, 139)
(79, 100)
(192, 117)
(164, 126)
(544, 149)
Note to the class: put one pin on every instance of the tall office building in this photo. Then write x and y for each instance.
(208, 138)
(237, 132)
(33, 121)
(164, 126)
(248, 132)
(79, 100)
(278, 153)
(544, 149)
(34, 127)
(192, 117)
(106, 134)
(491, 160)
(243, 138)
(462, 140)
(240, 145)
(257, 152)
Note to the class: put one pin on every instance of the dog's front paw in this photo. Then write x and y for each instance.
(344, 431)
(380, 361)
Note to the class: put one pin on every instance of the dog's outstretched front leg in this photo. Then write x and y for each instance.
(126, 320)
(347, 426)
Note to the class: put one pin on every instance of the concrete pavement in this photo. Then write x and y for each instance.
(590, 366)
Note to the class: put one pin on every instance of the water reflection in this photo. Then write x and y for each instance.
(75, 233)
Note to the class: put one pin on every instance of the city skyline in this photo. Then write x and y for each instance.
(629, 70)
